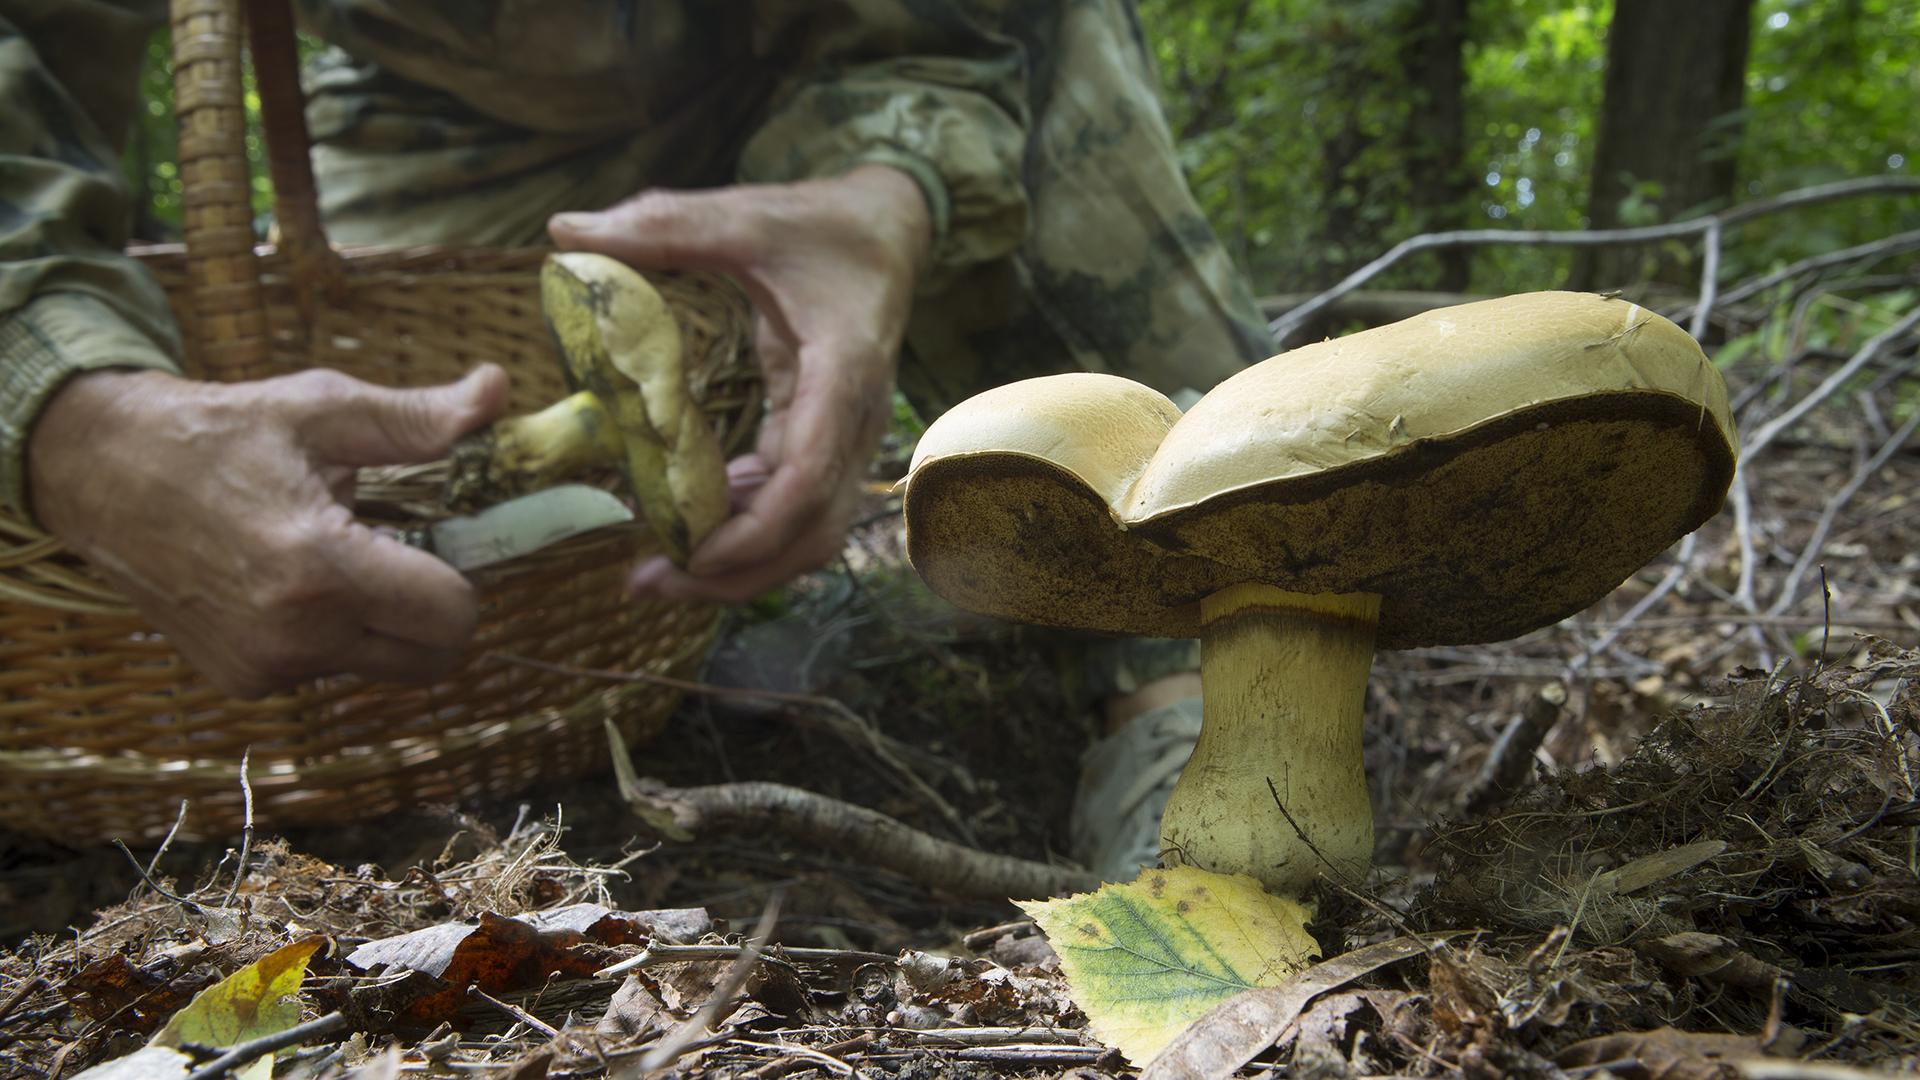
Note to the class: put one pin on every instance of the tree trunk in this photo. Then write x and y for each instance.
(1675, 80)
(1436, 130)
(1410, 51)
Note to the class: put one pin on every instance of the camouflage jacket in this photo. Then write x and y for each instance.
(815, 88)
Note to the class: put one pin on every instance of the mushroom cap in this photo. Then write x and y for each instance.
(1485, 469)
(621, 342)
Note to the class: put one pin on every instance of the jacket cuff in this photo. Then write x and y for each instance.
(53, 338)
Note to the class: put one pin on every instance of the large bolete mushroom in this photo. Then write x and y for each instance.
(1463, 476)
(632, 409)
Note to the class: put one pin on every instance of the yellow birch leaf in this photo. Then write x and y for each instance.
(1144, 960)
(259, 999)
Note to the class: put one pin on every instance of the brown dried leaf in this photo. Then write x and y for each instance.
(1231, 1033)
(636, 1013)
(1662, 1054)
(501, 955)
(128, 998)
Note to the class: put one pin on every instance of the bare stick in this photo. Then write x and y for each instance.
(853, 831)
(153, 864)
(1511, 760)
(1338, 871)
(1891, 245)
(855, 728)
(1790, 589)
(36, 981)
(1644, 605)
(681, 1038)
(1709, 282)
(516, 1012)
(246, 828)
(241, 1053)
(151, 883)
(1867, 354)
(654, 955)
(1285, 325)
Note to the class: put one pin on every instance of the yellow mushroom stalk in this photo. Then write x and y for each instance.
(1463, 476)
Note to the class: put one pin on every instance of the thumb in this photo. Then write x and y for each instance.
(383, 426)
(680, 230)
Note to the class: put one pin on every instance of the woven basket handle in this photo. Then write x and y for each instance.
(231, 335)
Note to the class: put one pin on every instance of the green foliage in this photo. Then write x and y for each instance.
(1831, 86)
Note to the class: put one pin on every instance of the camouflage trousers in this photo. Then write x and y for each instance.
(1119, 272)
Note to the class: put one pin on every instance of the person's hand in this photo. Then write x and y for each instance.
(830, 266)
(223, 513)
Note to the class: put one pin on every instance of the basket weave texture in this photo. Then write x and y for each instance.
(104, 729)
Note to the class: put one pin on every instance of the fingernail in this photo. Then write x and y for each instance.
(646, 577)
(573, 222)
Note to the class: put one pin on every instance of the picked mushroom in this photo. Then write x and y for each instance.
(1466, 475)
(632, 409)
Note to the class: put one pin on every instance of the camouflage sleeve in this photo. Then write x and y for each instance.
(918, 85)
(69, 300)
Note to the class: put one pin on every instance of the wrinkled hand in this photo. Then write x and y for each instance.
(830, 267)
(223, 513)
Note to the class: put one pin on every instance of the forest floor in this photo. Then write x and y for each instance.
(1709, 865)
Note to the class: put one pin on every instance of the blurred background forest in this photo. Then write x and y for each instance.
(1317, 135)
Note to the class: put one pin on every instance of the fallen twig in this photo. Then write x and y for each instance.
(780, 954)
(681, 1039)
(1867, 354)
(1790, 589)
(854, 831)
(1285, 325)
(246, 829)
(854, 728)
(515, 1012)
(1510, 761)
(241, 1053)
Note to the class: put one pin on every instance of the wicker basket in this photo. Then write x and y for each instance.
(104, 730)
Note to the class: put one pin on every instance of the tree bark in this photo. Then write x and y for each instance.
(1674, 84)
(1412, 51)
(1436, 139)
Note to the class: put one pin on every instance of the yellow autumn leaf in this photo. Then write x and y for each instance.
(1146, 959)
(259, 999)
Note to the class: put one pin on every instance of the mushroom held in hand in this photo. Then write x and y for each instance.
(632, 409)
(1463, 476)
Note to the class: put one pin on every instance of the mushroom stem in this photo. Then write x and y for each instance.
(526, 453)
(1276, 787)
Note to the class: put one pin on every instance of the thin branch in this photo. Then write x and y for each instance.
(1790, 589)
(1891, 245)
(153, 864)
(1709, 282)
(1285, 325)
(1510, 761)
(865, 835)
(151, 883)
(1867, 354)
(654, 955)
(515, 1012)
(854, 728)
(246, 829)
(1645, 604)
(241, 1053)
(678, 1041)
